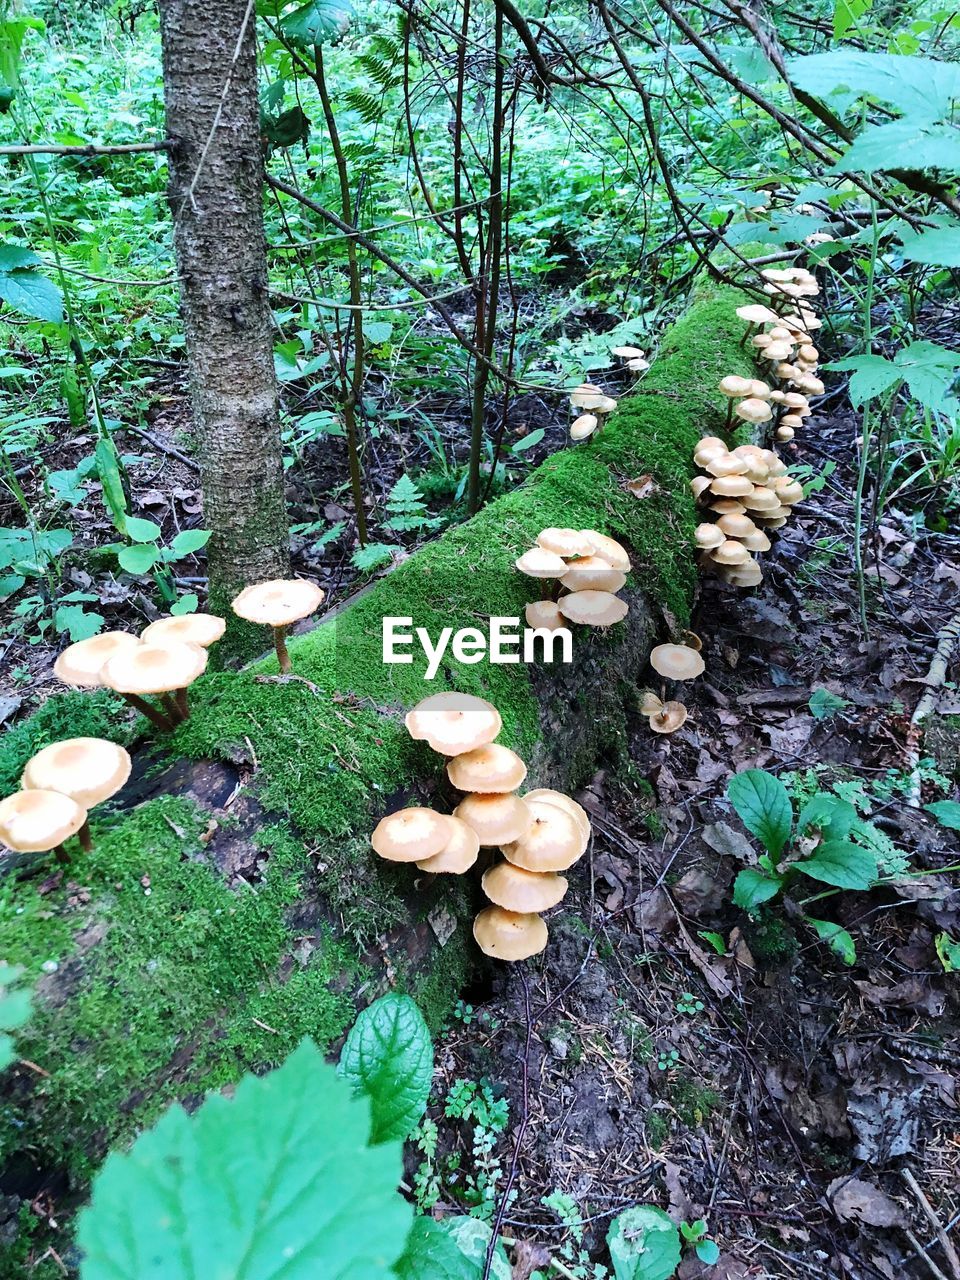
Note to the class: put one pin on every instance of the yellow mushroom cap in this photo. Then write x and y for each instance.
(452, 722)
(730, 552)
(732, 385)
(88, 770)
(410, 835)
(155, 668)
(509, 935)
(760, 498)
(731, 486)
(35, 821)
(593, 608)
(564, 542)
(756, 313)
(457, 855)
(756, 541)
(538, 563)
(669, 718)
(677, 662)
(279, 602)
(785, 434)
(738, 526)
(584, 426)
(760, 390)
(698, 485)
(789, 491)
(553, 841)
(745, 575)
(727, 464)
(568, 805)
(608, 549)
(753, 410)
(711, 442)
(708, 535)
(203, 629)
(490, 768)
(544, 615)
(728, 507)
(495, 817)
(525, 891)
(793, 420)
(593, 573)
(593, 401)
(80, 664)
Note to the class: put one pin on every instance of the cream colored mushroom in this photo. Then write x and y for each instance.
(410, 835)
(677, 661)
(88, 770)
(80, 664)
(509, 935)
(553, 840)
(593, 608)
(490, 768)
(452, 722)
(457, 855)
(278, 604)
(495, 818)
(524, 891)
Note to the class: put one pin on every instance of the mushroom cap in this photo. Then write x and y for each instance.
(727, 464)
(739, 526)
(732, 385)
(553, 841)
(728, 507)
(88, 770)
(593, 608)
(155, 668)
(593, 573)
(584, 426)
(756, 541)
(279, 602)
(490, 768)
(650, 704)
(203, 629)
(746, 575)
(452, 722)
(811, 385)
(809, 353)
(495, 817)
(778, 351)
(731, 486)
(711, 442)
(457, 855)
(756, 313)
(80, 664)
(564, 542)
(608, 549)
(592, 401)
(538, 563)
(781, 334)
(509, 935)
(708, 535)
(703, 456)
(730, 552)
(793, 420)
(35, 821)
(785, 434)
(524, 891)
(753, 410)
(777, 466)
(627, 353)
(776, 522)
(760, 498)
(638, 364)
(568, 805)
(410, 835)
(677, 661)
(795, 400)
(788, 490)
(699, 484)
(669, 718)
(760, 390)
(544, 615)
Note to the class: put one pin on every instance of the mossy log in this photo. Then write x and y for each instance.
(209, 930)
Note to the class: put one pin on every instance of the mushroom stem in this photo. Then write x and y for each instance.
(181, 703)
(729, 414)
(171, 710)
(280, 644)
(85, 838)
(147, 709)
(61, 855)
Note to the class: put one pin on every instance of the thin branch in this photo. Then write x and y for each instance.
(85, 149)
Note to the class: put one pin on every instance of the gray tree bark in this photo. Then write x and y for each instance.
(216, 198)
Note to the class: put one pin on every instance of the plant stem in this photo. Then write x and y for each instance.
(867, 430)
(280, 644)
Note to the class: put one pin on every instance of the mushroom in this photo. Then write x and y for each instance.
(38, 821)
(490, 768)
(278, 604)
(730, 552)
(496, 818)
(566, 543)
(568, 805)
(788, 490)
(650, 704)
(638, 365)
(593, 608)
(457, 855)
(731, 486)
(544, 615)
(699, 485)
(509, 935)
(160, 669)
(784, 434)
(739, 526)
(754, 410)
(592, 573)
(411, 835)
(452, 722)
(745, 575)
(756, 541)
(627, 353)
(735, 386)
(760, 498)
(669, 718)
(88, 770)
(203, 629)
(80, 664)
(584, 426)
(727, 464)
(540, 564)
(708, 536)
(677, 661)
(728, 507)
(523, 891)
(553, 840)
(608, 548)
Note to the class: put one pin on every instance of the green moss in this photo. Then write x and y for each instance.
(694, 1102)
(64, 715)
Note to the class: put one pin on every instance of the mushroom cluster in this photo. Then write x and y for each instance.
(672, 662)
(580, 572)
(540, 834)
(787, 345)
(635, 359)
(592, 406)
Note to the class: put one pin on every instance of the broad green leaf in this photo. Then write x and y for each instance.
(9, 583)
(32, 294)
(138, 559)
(77, 622)
(833, 816)
(528, 441)
(921, 87)
(949, 953)
(938, 248)
(644, 1244)
(142, 530)
(188, 541)
(837, 939)
(762, 802)
(824, 705)
(186, 604)
(108, 471)
(903, 144)
(13, 257)
(846, 14)
(277, 1183)
(929, 370)
(473, 1240)
(708, 1251)
(842, 864)
(715, 940)
(872, 376)
(752, 887)
(946, 812)
(452, 1249)
(317, 22)
(388, 1055)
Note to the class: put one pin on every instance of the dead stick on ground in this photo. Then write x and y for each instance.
(921, 1253)
(946, 643)
(930, 1213)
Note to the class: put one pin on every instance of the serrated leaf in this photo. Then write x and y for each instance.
(938, 248)
(452, 1249)
(929, 370)
(139, 558)
(644, 1244)
(373, 556)
(948, 952)
(838, 940)
(277, 1183)
(872, 376)
(14, 257)
(763, 805)
(946, 812)
(841, 863)
(317, 23)
(752, 887)
(388, 1055)
(846, 14)
(903, 144)
(922, 87)
(824, 705)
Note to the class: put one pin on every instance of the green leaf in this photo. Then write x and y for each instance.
(824, 705)
(929, 371)
(715, 940)
(13, 257)
(317, 22)
(138, 559)
(762, 802)
(388, 1055)
(142, 530)
(949, 953)
(946, 812)
(872, 376)
(187, 542)
(16, 1008)
(921, 87)
(841, 863)
(644, 1244)
(903, 144)
(373, 556)
(32, 294)
(186, 604)
(708, 1251)
(76, 622)
(846, 14)
(528, 441)
(836, 818)
(837, 939)
(108, 470)
(753, 887)
(939, 248)
(277, 1183)
(453, 1249)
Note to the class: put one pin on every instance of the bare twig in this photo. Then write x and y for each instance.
(930, 1214)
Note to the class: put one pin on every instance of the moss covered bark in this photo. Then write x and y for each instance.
(166, 981)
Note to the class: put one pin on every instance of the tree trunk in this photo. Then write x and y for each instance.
(216, 198)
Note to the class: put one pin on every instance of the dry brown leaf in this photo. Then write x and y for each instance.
(642, 486)
(854, 1200)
